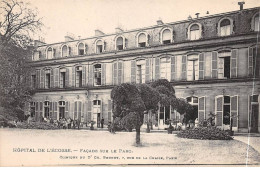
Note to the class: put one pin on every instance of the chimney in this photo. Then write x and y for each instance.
(118, 29)
(98, 33)
(159, 22)
(69, 37)
(39, 42)
(189, 17)
(241, 4)
(197, 15)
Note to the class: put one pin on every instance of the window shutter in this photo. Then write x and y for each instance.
(67, 78)
(201, 115)
(89, 110)
(201, 66)
(90, 78)
(42, 79)
(184, 63)
(79, 109)
(51, 110)
(250, 62)
(219, 110)
(75, 110)
(133, 71)
(55, 112)
(73, 77)
(109, 111)
(214, 73)
(234, 54)
(41, 111)
(67, 103)
(38, 77)
(115, 73)
(147, 70)
(173, 68)
(83, 76)
(85, 106)
(157, 68)
(37, 111)
(103, 74)
(52, 79)
(120, 72)
(234, 110)
(56, 77)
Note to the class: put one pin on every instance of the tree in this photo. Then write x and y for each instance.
(19, 21)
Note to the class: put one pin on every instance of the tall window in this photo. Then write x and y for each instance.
(81, 49)
(78, 76)
(46, 109)
(142, 40)
(64, 51)
(61, 109)
(49, 53)
(225, 27)
(192, 68)
(165, 68)
(99, 46)
(36, 56)
(32, 109)
(166, 36)
(139, 74)
(97, 74)
(194, 102)
(226, 110)
(195, 32)
(62, 79)
(47, 79)
(119, 43)
(33, 81)
(224, 65)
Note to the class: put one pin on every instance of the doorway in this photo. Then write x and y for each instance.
(254, 118)
(164, 115)
(62, 112)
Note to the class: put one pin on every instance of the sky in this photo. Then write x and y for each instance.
(82, 17)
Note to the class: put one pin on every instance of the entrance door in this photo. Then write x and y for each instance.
(254, 118)
(226, 117)
(61, 112)
(164, 115)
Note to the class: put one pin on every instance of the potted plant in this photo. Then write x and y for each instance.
(91, 125)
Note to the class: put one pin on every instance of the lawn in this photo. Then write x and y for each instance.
(101, 147)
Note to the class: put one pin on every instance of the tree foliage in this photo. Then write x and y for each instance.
(17, 23)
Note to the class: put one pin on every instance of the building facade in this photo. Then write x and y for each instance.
(212, 62)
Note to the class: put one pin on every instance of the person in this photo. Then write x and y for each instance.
(78, 123)
(196, 122)
(102, 122)
(98, 121)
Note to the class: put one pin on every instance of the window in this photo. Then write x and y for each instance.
(33, 81)
(99, 46)
(225, 27)
(224, 65)
(253, 60)
(81, 49)
(119, 43)
(49, 53)
(61, 109)
(194, 102)
(142, 40)
(48, 80)
(36, 56)
(139, 74)
(165, 68)
(61, 103)
(192, 68)
(78, 76)
(97, 74)
(96, 102)
(194, 32)
(46, 109)
(32, 109)
(255, 23)
(226, 109)
(166, 36)
(64, 51)
(62, 79)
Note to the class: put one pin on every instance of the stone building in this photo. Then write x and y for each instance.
(211, 61)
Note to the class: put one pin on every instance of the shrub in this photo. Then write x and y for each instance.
(205, 133)
(36, 125)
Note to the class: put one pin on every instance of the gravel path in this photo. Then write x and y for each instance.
(101, 147)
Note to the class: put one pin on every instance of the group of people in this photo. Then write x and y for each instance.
(64, 123)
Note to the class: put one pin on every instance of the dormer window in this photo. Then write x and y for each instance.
(255, 22)
(166, 36)
(225, 27)
(99, 46)
(49, 53)
(81, 49)
(142, 40)
(119, 43)
(64, 51)
(194, 31)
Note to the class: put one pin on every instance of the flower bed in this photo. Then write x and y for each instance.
(36, 125)
(205, 133)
